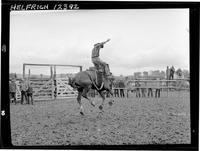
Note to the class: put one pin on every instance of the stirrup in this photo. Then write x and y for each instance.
(108, 74)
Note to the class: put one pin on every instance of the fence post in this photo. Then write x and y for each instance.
(23, 70)
(52, 83)
(167, 89)
(29, 74)
(55, 84)
(127, 92)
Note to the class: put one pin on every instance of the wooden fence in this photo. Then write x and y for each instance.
(165, 85)
(49, 89)
(64, 90)
(177, 84)
(42, 89)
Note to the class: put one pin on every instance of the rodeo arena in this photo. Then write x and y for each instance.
(145, 108)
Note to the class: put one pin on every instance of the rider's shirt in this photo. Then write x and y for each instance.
(95, 50)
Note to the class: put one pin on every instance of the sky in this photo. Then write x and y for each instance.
(141, 39)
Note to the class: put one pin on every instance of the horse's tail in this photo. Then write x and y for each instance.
(72, 82)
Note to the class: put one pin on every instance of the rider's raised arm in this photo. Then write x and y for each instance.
(102, 43)
(105, 41)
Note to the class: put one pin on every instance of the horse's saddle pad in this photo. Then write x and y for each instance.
(99, 78)
(99, 75)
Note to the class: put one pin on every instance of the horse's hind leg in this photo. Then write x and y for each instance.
(112, 96)
(84, 94)
(79, 101)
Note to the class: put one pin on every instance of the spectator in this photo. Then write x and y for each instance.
(121, 86)
(167, 73)
(158, 89)
(12, 89)
(23, 89)
(116, 86)
(179, 83)
(143, 89)
(29, 94)
(150, 92)
(172, 70)
(137, 85)
(179, 73)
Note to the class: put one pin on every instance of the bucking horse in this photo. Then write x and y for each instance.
(94, 79)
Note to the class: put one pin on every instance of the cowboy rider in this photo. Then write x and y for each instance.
(95, 57)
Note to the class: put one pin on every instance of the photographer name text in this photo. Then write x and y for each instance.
(21, 7)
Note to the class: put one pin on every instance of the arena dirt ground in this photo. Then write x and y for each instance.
(164, 120)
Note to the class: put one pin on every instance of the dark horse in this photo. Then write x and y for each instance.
(86, 80)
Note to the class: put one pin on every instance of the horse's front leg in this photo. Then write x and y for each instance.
(102, 94)
(79, 102)
(84, 94)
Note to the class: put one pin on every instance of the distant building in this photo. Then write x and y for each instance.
(137, 74)
(118, 78)
(130, 77)
(145, 74)
(162, 73)
(157, 74)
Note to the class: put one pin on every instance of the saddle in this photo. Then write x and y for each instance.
(102, 75)
(99, 76)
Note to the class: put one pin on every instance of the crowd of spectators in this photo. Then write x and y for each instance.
(25, 89)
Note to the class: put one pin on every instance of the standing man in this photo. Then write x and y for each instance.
(23, 89)
(167, 73)
(13, 88)
(30, 94)
(172, 70)
(143, 89)
(116, 86)
(167, 76)
(95, 57)
(150, 92)
(122, 86)
(179, 76)
(137, 85)
(179, 73)
(158, 89)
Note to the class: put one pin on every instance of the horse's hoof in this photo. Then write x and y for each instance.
(81, 113)
(101, 107)
(111, 102)
(93, 104)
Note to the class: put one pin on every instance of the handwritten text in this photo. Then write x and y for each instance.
(17, 7)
